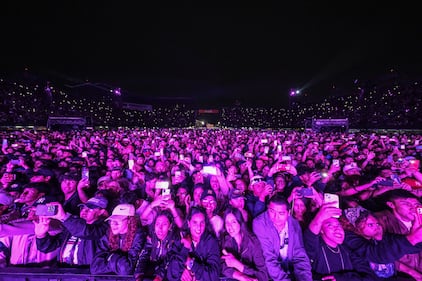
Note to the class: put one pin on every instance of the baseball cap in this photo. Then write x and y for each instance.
(96, 202)
(15, 187)
(350, 166)
(42, 187)
(208, 192)
(236, 193)
(121, 211)
(5, 199)
(256, 179)
(43, 172)
(102, 179)
(70, 176)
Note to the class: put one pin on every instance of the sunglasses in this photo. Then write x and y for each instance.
(257, 180)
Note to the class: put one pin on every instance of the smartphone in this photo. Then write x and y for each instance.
(166, 193)
(279, 147)
(264, 141)
(402, 147)
(329, 197)
(288, 142)
(286, 158)
(266, 149)
(4, 144)
(419, 214)
(201, 159)
(130, 163)
(177, 173)
(306, 191)
(210, 170)
(182, 157)
(248, 155)
(15, 162)
(336, 162)
(46, 210)
(162, 185)
(85, 173)
(157, 154)
(84, 154)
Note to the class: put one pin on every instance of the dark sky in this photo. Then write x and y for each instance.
(215, 53)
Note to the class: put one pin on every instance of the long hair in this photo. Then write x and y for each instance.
(193, 211)
(239, 217)
(132, 228)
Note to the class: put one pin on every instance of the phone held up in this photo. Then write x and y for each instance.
(328, 198)
(46, 210)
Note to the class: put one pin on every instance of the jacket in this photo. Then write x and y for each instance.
(207, 259)
(89, 234)
(154, 258)
(391, 224)
(118, 262)
(249, 254)
(344, 264)
(297, 265)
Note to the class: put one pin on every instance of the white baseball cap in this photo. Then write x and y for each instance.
(122, 211)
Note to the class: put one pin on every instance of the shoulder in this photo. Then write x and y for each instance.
(260, 219)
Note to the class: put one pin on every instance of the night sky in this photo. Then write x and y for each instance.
(251, 54)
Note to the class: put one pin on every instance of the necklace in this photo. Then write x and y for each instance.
(326, 259)
(335, 250)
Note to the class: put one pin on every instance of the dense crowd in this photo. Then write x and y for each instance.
(199, 204)
(387, 104)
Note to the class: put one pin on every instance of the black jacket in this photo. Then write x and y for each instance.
(250, 255)
(153, 260)
(207, 259)
(118, 262)
(89, 234)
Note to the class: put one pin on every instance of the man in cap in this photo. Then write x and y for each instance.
(32, 192)
(81, 235)
(17, 239)
(256, 197)
(237, 200)
(101, 182)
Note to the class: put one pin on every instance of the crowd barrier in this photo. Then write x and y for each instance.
(62, 274)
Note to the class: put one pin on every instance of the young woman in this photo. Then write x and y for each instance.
(197, 255)
(301, 210)
(121, 247)
(154, 260)
(241, 250)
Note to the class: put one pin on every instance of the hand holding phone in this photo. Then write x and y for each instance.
(336, 162)
(419, 215)
(85, 173)
(130, 163)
